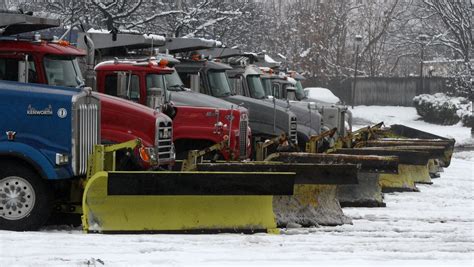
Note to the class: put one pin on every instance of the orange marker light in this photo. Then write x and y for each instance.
(63, 43)
(144, 154)
(163, 63)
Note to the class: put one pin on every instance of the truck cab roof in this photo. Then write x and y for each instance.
(39, 47)
(192, 65)
(132, 65)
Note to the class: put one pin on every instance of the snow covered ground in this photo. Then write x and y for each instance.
(434, 227)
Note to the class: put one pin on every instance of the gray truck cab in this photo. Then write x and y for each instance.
(246, 81)
(290, 88)
(266, 119)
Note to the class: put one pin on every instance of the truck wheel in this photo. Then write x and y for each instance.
(25, 200)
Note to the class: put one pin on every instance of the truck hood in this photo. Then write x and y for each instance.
(300, 109)
(194, 99)
(127, 118)
(261, 115)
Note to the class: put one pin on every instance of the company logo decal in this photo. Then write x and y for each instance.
(11, 135)
(62, 113)
(48, 111)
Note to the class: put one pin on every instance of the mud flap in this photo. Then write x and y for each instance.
(183, 202)
(368, 191)
(314, 200)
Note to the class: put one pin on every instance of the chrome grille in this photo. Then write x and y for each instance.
(293, 130)
(243, 138)
(164, 141)
(85, 131)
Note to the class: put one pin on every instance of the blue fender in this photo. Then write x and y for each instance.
(34, 157)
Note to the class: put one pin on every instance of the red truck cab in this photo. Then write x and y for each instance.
(55, 63)
(193, 127)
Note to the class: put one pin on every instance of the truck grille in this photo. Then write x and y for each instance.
(293, 131)
(243, 139)
(164, 141)
(86, 131)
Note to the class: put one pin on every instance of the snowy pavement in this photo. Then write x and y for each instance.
(431, 227)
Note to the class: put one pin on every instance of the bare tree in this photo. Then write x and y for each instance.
(457, 18)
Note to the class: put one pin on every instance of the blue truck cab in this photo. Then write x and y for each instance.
(46, 135)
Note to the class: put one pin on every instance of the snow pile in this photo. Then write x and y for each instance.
(442, 109)
(321, 94)
(370, 115)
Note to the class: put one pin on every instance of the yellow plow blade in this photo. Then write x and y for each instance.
(166, 202)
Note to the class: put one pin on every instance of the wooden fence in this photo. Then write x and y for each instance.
(383, 91)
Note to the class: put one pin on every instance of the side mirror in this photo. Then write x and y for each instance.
(122, 84)
(311, 105)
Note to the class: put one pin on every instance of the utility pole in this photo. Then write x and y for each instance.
(358, 40)
(422, 38)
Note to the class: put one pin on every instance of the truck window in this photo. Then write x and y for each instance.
(155, 81)
(276, 90)
(237, 85)
(62, 71)
(10, 70)
(267, 86)
(218, 83)
(300, 94)
(173, 82)
(186, 79)
(111, 86)
(255, 87)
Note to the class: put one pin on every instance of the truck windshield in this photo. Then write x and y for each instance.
(219, 83)
(299, 91)
(173, 81)
(62, 71)
(267, 86)
(255, 87)
(155, 81)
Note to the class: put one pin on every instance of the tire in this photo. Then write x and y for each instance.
(25, 198)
